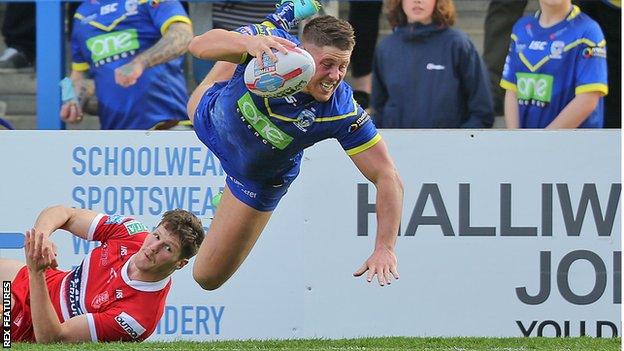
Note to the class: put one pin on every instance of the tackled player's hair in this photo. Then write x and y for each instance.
(329, 31)
(187, 228)
(443, 15)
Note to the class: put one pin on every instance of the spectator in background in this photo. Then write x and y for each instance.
(138, 76)
(427, 74)
(608, 14)
(555, 73)
(499, 20)
(18, 30)
(364, 18)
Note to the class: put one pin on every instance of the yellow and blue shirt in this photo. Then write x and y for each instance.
(262, 139)
(108, 34)
(548, 67)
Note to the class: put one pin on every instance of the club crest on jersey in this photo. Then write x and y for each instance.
(134, 227)
(556, 49)
(99, 300)
(131, 7)
(305, 119)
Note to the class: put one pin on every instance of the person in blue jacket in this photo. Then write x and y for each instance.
(260, 141)
(427, 74)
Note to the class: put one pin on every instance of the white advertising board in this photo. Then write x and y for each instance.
(504, 233)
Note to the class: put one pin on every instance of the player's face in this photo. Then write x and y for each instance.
(420, 11)
(160, 252)
(331, 67)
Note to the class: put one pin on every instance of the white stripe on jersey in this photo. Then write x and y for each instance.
(83, 281)
(92, 329)
(93, 226)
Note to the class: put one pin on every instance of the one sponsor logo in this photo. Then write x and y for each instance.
(134, 227)
(534, 88)
(73, 292)
(305, 119)
(236, 181)
(434, 67)
(123, 251)
(130, 325)
(263, 128)
(131, 7)
(538, 45)
(594, 51)
(118, 294)
(113, 46)
(556, 49)
(99, 300)
(115, 219)
(364, 117)
(108, 8)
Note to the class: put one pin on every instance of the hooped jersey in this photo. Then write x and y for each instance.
(108, 34)
(117, 307)
(548, 67)
(262, 139)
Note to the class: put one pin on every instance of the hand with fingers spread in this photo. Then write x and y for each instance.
(39, 253)
(383, 264)
(264, 44)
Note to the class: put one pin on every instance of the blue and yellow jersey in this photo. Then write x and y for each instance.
(108, 34)
(548, 67)
(262, 139)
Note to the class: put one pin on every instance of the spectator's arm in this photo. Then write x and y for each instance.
(475, 87)
(172, 44)
(512, 119)
(71, 112)
(576, 111)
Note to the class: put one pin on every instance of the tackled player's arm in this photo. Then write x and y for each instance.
(74, 220)
(377, 166)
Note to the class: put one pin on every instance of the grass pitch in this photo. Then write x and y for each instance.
(365, 344)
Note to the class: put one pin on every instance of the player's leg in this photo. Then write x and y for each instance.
(231, 236)
(9, 269)
(221, 71)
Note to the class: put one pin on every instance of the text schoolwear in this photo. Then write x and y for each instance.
(108, 34)
(548, 67)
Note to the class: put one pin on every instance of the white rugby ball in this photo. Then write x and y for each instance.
(289, 75)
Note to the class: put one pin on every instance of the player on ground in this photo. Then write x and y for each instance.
(260, 141)
(117, 293)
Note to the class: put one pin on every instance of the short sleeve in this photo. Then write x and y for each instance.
(508, 77)
(116, 325)
(357, 133)
(105, 227)
(164, 13)
(79, 62)
(591, 69)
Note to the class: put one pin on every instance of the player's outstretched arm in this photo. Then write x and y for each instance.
(376, 165)
(230, 46)
(46, 325)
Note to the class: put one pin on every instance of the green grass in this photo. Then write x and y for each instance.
(365, 344)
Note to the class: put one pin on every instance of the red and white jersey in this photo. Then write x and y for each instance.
(117, 308)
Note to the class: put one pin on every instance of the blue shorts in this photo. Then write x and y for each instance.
(260, 196)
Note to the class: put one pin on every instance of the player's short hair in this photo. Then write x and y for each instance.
(443, 13)
(187, 228)
(329, 31)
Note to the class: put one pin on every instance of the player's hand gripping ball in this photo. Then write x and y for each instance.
(289, 75)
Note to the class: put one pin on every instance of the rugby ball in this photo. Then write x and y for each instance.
(288, 75)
